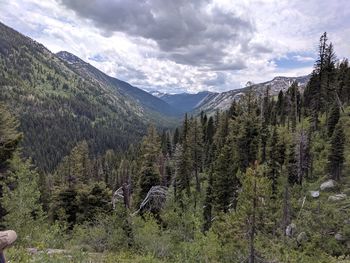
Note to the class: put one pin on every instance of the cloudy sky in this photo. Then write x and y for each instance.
(186, 45)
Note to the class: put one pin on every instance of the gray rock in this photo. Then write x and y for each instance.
(337, 197)
(315, 194)
(291, 230)
(328, 185)
(302, 238)
(339, 237)
(32, 250)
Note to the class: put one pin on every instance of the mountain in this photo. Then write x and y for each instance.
(184, 102)
(150, 103)
(222, 101)
(61, 100)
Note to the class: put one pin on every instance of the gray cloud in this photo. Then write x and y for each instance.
(187, 32)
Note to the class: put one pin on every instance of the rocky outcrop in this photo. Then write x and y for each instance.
(328, 185)
(337, 197)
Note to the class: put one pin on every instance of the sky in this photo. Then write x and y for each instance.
(186, 45)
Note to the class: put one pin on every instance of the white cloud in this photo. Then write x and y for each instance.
(172, 56)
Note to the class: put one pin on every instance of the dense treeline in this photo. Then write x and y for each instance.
(238, 186)
(57, 108)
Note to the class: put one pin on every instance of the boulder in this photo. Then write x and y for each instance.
(328, 185)
(32, 250)
(291, 230)
(302, 238)
(339, 237)
(337, 197)
(315, 194)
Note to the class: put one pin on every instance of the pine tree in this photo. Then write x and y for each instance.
(184, 164)
(248, 139)
(225, 164)
(333, 119)
(317, 92)
(225, 182)
(209, 138)
(336, 155)
(293, 97)
(280, 108)
(208, 203)
(253, 202)
(274, 166)
(176, 138)
(196, 144)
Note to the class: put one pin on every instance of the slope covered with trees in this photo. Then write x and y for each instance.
(265, 181)
(58, 107)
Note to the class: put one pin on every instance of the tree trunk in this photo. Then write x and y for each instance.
(252, 231)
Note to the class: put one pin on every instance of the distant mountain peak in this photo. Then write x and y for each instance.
(222, 101)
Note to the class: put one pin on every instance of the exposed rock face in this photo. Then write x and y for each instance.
(328, 185)
(337, 197)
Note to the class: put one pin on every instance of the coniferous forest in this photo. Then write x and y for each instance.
(265, 181)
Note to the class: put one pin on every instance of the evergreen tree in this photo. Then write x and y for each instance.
(196, 144)
(64, 205)
(225, 182)
(293, 97)
(252, 207)
(176, 138)
(184, 164)
(274, 166)
(336, 155)
(333, 119)
(280, 108)
(208, 203)
(92, 201)
(209, 138)
(248, 139)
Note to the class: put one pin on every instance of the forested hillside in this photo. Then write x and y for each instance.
(57, 107)
(151, 104)
(265, 181)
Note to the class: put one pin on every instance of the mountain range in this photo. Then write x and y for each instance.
(59, 100)
(183, 102)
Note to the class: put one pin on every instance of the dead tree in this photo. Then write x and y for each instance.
(118, 195)
(154, 199)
